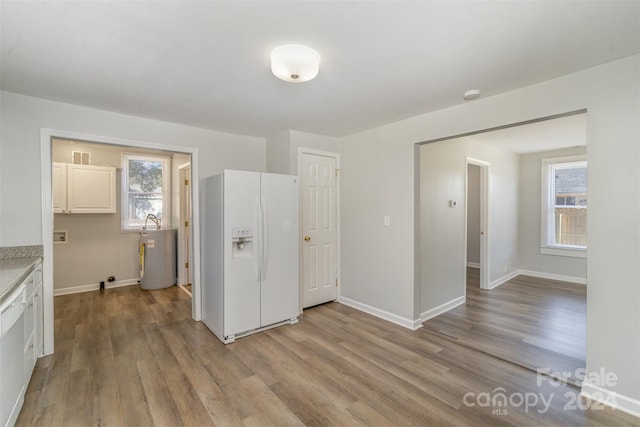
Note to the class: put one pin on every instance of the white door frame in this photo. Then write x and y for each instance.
(301, 151)
(47, 217)
(485, 173)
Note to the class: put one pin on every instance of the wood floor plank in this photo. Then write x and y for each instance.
(533, 322)
(130, 357)
(157, 390)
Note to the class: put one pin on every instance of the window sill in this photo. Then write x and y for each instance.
(575, 253)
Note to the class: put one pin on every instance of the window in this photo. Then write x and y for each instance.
(145, 187)
(564, 206)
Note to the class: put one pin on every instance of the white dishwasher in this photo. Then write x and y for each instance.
(11, 356)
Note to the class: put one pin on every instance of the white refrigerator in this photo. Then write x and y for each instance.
(250, 252)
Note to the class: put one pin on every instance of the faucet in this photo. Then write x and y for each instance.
(153, 218)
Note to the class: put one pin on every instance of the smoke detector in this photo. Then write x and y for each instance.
(471, 95)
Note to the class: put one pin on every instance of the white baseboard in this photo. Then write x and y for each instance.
(385, 315)
(610, 398)
(542, 275)
(503, 279)
(431, 313)
(473, 264)
(94, 287)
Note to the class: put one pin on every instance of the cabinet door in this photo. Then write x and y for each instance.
(38, 307)
(91, 189)
(29, 317)
(29, 360)
(59, 184)
(38, 328)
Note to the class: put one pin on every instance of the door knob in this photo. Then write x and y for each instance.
(307, 238)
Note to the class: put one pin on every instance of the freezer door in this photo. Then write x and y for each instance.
(280, 248)
(241, 262)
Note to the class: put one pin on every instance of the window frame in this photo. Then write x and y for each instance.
(548, 204)
(166, 191)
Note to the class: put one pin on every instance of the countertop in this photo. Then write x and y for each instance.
(13, 271)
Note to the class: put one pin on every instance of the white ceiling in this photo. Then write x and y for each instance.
(547, 135)
(206, 63)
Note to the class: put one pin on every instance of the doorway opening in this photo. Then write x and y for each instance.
(477, 219)
(108, 237)
(536, 204)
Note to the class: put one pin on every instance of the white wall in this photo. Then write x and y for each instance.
(473, 214)
(282, 149)
(530, 212)
(443, 171)
(20, 123)
(278, 153)
(96, 249)
(377, 179)
(378, 266)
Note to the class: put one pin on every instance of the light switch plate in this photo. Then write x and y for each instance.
(386, 220)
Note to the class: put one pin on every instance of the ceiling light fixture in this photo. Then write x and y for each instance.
(471, 95)
(295, 63)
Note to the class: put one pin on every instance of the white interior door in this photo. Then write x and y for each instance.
(185, 223)
(319, 229)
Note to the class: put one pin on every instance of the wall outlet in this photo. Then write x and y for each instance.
(453, 204)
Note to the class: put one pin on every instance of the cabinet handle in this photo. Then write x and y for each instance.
(37, 296)
(30, 305)
(31, 346)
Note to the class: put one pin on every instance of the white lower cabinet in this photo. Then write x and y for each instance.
(20, 345)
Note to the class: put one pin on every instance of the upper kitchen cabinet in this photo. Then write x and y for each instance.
(83, 188)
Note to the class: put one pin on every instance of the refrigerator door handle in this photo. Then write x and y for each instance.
(258, 240)
(264, 240)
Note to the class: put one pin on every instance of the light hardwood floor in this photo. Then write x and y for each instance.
(533, 322)
(128, 357)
